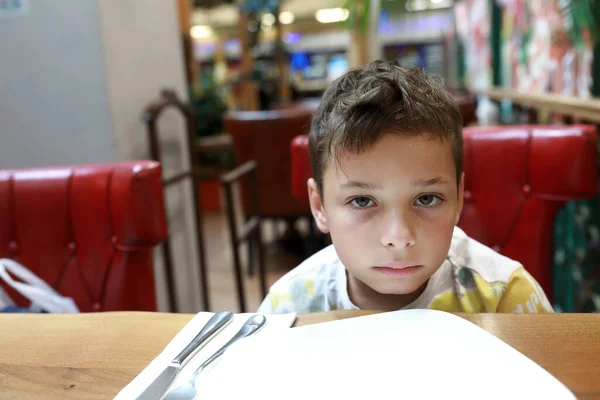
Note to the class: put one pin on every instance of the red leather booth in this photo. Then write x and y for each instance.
(89, 231)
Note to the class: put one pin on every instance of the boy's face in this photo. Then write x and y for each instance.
(391, 211)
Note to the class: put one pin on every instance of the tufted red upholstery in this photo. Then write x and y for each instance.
(516, 180)
(89, 230)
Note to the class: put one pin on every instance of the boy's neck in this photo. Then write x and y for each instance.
(365, 298)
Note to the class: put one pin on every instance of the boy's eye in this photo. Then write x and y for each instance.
(362, 202)
(428, 200)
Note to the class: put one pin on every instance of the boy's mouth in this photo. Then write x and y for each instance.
(398, 269)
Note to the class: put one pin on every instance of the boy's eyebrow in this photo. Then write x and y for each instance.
(358, 185)
(429, 182)
(419, 182)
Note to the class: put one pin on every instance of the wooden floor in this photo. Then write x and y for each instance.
(220, 265)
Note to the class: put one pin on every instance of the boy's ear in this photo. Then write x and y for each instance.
(316, 206)
(461, 197)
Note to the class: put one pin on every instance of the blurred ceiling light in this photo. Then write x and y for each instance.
(268, 19)
(440, 4)
(422, 5)
(201, 32)
(329, 15)
(286, 17)
(416, 5)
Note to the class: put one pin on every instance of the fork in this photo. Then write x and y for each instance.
(187, 390)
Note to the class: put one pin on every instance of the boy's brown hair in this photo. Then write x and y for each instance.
(376, 99)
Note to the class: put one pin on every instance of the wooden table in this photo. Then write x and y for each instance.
(93, 356)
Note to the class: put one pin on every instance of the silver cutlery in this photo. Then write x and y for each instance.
(160, 385)
(187, 390)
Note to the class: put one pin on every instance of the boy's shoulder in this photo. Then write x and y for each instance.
(323, 264)
(312, 286)
(466, 252)
(480, 279)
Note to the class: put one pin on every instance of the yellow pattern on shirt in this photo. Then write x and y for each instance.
(276, 298)
(524, 295)
(521, 294)
(471, 293)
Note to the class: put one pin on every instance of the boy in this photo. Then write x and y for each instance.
(386, 153)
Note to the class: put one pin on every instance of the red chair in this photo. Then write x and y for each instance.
(89, 231)
(516, 180)
(264, 136)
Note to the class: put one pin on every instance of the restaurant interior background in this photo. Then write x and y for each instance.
(78, 80)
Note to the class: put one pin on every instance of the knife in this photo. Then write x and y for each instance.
(187, 390)
(163, 381)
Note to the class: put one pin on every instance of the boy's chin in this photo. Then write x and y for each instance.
(397, 288)
(398, 292)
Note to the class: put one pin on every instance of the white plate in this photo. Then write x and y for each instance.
(412, 354)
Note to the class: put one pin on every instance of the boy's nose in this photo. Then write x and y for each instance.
(398, 233)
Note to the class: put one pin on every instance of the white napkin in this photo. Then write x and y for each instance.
(185, 336)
